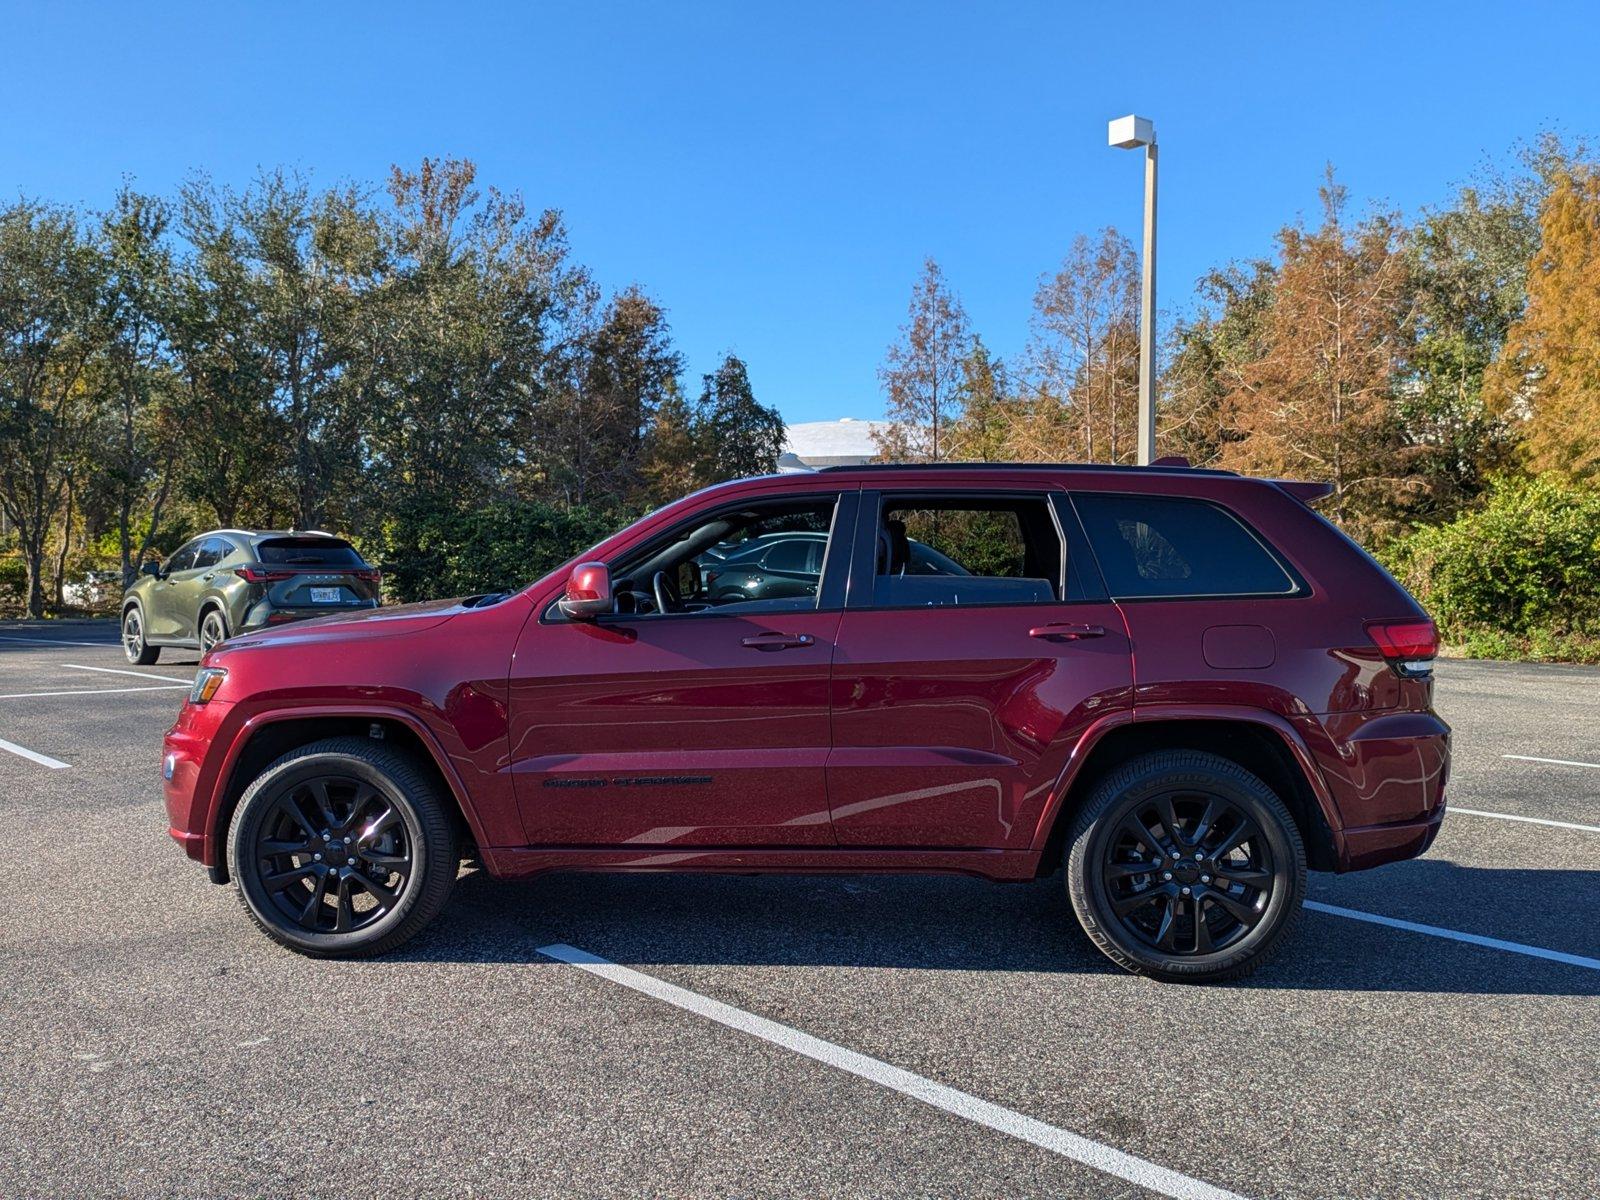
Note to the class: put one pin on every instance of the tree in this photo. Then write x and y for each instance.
(1318, 401)
(672, 459)
(624, 370)
(1551, 366)
(1083, 357)
(457, 335)
(1469, 264)
(136, 453)
(983, 427)
(737, 435)
(235, 461)
(313, 258)
(921, 373)
(1206, 356)
(49, 292)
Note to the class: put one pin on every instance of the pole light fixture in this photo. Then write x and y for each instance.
(1129, 133)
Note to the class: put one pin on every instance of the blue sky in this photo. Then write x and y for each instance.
(774, 175)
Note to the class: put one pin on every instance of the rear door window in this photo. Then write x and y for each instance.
(935, 550)
(211, 552)
(308, 552)
(1159, 546)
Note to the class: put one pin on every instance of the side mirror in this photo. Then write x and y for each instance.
(150, 567)
(588, 592)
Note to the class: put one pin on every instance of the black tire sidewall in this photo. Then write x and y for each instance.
(257, 803)
(1151, 776)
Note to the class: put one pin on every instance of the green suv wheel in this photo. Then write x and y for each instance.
(213, 629)
(139, 651)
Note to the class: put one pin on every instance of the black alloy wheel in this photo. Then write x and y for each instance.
(1184, 865)
(334, 854)
(213, 629)
(342, 848)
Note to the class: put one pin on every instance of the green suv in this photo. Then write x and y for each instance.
(230, 580)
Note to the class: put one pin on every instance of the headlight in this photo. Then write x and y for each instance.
(206, 683)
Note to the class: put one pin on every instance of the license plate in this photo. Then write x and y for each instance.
(326, 595)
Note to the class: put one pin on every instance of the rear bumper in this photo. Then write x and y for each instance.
(1386, 773)
(266, 616)
(1373, 845)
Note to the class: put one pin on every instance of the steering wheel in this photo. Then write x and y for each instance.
(666, 592)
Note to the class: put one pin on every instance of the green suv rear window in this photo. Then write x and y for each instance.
(308, 552)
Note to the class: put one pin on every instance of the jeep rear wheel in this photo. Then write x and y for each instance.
(342, 848)
(138, 650)
(1185, 866)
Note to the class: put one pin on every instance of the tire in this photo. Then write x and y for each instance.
(1144, 920)
(344, 785)
(138, 651)
(213, 629)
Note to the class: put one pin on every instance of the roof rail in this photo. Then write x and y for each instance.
(1165, 466)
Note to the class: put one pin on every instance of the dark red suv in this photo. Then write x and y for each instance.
(1184, 687)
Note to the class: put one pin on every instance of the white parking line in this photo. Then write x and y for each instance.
(961, 1104)
(119, 671)
(1555, 762)
(1478, 812)
(44, 760)
(158, 687)
(1455, 935)
(7, 637)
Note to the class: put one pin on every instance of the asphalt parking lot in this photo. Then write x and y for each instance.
(787, 1036)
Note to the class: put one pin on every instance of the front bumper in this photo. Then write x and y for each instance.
(183, 774)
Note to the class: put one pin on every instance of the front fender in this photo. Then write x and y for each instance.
(237, 731)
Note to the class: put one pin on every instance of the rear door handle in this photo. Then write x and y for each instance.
(774, 640)
(1062, 631)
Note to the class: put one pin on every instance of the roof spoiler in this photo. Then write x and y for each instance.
(1304, 490)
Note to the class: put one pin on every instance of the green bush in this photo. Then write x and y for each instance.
(1516, 577)
(13, 584)
(503, 545)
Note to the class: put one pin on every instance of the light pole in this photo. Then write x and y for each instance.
(1127, 133)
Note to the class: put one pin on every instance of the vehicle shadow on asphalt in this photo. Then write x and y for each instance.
(942, 923)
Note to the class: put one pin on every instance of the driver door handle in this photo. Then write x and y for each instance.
(1064, 631)
(773, 640)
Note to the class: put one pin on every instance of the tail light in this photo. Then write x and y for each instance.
(261, 574)
(368, 575)
(1408, 646)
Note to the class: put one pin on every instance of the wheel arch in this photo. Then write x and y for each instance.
(1261, 742)
(270, 735)
(210, 601)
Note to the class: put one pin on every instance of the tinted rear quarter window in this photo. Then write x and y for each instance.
(308, 552)
(1159, 546)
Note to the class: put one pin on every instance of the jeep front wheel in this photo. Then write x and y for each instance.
(342, 848)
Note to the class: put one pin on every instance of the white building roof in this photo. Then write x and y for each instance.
(833, 443)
